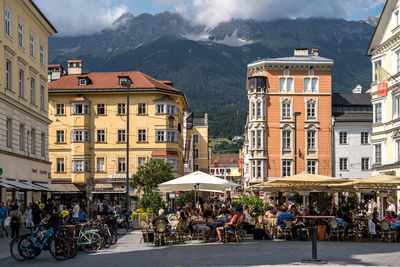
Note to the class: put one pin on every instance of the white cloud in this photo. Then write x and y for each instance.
(75, 17)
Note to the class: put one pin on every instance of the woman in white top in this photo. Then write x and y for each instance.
(28, 216)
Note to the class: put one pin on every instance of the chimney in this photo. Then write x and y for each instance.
(357, 89)
(74, 67)
(314, 51)
(206, 119)
(302, 52)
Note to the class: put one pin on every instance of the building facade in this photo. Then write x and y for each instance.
(352, 128)
(385, 91)
(288, 97)
(226, 166)
(24, 119)
(88, 133)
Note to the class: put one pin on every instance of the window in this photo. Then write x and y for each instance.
(80, 165)
(195, 138)
(22, 137)
(60, 136)
(141, 161)
(258, 138)
(312, 166)
(343, 138)
(121, 108)
(159, 108)
(42, 98)
(378, 154)
(166, 109)
(33, 141)
(142, 136)
(397, 67)
(80, 136)
(196, 153)
(41, 54)
(60, 165)
(397, 142)
(21, 37)
(343, 164)
(121, 136)
(253, 169)
(395, 19)
(142, 108)
(375, 70)
(364, 138)
(286, 168)
(307, 84)
(8, 26)
(253, 139)
(32, 45)
(33, 91)
(100, 165)
(378, 113)
(365, 164)
(173, 162)
(8, 74)
(258, 109)
(286, 109)
(21, 83)
(171, 120)
(310, 139)
(314, 84)
(171, 109)
(42, 144)
(80, 108)
(286, 139)
(60, 109)
(196, 167)
(259, 168)
(101, 109)
(311, 110)
(9, 133)
(286, 84)
(121, 165)
(82, 81)
(166, 136)
(101, 136)
(396, 106)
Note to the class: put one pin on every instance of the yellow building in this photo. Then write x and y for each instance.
(23, 100)
(384, 50)
(88, 132)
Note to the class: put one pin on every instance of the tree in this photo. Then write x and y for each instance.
(146, 180)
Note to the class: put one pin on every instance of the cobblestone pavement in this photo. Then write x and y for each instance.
(128, 252)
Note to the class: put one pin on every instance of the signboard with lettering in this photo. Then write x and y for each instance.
(382, 89)
(189, 122)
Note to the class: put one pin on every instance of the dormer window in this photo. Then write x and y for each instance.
(82, 81)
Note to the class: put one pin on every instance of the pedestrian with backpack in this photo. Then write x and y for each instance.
(16, 221)
(3, 217)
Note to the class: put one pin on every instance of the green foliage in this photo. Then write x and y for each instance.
(186, 197)
(150, 200)
(224, 146)
(250, 201)
(322, 201)
(348, 203)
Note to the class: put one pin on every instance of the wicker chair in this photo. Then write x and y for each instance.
(233, 232)
(287, 231)
(161, 233)
(147, 233)
(335, 230)
(270, 226)
(387, 234)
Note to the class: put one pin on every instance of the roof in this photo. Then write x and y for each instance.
(109, 80)
(378, 26)
(225, 159)
(353, 117)
(349, 99)
(296, 59)
(43, 16)
(199, 122)
(159, 153)
(54, 66)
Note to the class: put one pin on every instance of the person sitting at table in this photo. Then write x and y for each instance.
(198, 224)
(208, 213)
(294, 211)
(389, 216)
(160, 217)
(269, 213)
(284, 216)
(391, 207)
(234, 218)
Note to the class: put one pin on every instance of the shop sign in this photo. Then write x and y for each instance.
(382, 89)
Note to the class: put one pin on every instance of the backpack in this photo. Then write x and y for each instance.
(14, 217)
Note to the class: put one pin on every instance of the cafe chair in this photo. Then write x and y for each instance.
(161, 233)
(147, 233)
(287, 231)
(387, 233)
(335, 230)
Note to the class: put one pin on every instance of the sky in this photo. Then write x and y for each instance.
(75, 17)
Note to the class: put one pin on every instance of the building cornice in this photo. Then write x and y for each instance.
(387, 45)
(24, 157)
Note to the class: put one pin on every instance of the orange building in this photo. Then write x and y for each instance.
(282, 91)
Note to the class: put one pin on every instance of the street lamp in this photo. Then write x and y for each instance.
(125, 81)
(295, 140)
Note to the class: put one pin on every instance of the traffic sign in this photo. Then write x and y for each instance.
(1, 171)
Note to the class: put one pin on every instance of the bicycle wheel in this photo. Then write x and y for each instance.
(23, 249)
(73, 247)
(122, 228)
(59, 248)
(91, 242)
(15, 252)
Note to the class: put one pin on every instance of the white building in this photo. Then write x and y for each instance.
(352, 126)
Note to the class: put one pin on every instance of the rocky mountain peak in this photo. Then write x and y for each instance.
(372, 20)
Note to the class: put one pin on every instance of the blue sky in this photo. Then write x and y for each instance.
(88, 16)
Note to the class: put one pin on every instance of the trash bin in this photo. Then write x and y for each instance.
(322, 232)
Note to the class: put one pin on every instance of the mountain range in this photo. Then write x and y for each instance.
(209, 64)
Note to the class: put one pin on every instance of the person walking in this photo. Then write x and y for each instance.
(75, 211)
(3, 217)
(28, 216)
(36, 214)
(16, 221)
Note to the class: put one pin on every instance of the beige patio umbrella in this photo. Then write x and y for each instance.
(307, 180)
(380, 181)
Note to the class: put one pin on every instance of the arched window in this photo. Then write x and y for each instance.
(171, 121)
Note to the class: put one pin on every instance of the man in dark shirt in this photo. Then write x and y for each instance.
(160, 217)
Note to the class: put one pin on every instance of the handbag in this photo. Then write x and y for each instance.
(7, 222)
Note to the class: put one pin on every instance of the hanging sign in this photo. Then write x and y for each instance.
(382, 89)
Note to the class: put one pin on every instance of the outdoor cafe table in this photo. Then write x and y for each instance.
(314, 258)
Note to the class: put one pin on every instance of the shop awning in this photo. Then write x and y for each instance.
(19, 185)
(50, 187)
(36, 187)
(6, 185)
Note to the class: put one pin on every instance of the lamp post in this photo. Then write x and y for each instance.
(295, 140)
(126, 82)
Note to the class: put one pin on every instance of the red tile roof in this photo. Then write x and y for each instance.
(158, 153)
(110, 80)
(225, 159)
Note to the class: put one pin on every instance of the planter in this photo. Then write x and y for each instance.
(322, 232)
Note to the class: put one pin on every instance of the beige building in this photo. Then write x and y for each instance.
(384, 51)
(24, 119)
(88, 133)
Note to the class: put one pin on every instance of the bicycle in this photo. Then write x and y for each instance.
(122, 223)
(31, 245)
(88, 239)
